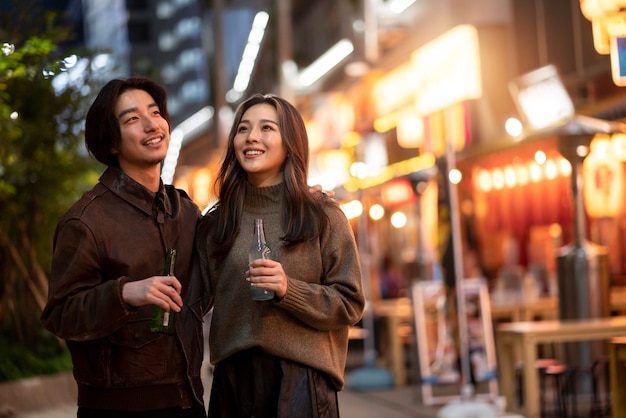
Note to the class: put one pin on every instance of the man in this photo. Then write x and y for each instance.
(107, 268)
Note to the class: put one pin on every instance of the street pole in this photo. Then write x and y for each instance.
(219, 78)
(285, 47)
(457, 251)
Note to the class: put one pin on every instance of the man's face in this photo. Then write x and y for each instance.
(145, 133)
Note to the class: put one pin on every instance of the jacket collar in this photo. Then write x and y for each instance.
(134, 193)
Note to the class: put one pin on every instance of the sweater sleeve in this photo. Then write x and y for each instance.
(337, 299)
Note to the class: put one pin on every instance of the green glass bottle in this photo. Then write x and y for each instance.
(163, 321)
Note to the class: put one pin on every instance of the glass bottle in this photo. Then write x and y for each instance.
(164, 321)
(259, 249)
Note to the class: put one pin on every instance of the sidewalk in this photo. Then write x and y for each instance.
(398, 402)
(394, 403)
(391, 403)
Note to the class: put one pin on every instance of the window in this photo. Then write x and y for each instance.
(138, 32)
(137, 5)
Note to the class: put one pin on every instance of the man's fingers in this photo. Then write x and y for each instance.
(168, 302)
(173, 281)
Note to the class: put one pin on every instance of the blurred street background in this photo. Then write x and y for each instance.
(473, 144)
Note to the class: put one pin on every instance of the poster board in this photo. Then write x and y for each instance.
(435, 320)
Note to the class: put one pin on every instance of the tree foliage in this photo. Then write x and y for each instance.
(44, 166)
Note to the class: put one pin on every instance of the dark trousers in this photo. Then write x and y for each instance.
(196, 412)
(252, 383)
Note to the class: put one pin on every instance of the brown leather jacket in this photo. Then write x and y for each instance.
(119, 232)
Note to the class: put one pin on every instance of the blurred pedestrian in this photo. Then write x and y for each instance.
(392, 282)
(286, 356)
(107, 268)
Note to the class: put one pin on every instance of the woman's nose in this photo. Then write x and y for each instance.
(254, 135)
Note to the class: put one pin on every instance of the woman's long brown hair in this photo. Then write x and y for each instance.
(303, 217)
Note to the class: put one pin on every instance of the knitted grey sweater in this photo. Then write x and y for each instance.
(324, 292)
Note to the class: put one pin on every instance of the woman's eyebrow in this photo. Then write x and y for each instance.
(262, 121)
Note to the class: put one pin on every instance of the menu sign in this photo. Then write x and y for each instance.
(541, 98)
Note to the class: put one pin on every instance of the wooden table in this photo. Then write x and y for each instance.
(526, 336)
(395, 312)
(618, 299)
(546, 307)
(400, 310)
(514, 311)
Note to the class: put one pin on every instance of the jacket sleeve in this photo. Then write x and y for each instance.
(337, 300)
(81, 306)
(202, 254)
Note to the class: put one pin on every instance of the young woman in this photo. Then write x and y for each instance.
(283, 357)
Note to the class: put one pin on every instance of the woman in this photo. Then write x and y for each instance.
(283, 357)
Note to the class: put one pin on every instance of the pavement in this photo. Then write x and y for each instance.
(397, 402)
(393, 403)
(56, 397)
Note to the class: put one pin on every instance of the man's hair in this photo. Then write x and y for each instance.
(102, 129)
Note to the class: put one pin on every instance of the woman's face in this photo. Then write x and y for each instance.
(259, 145)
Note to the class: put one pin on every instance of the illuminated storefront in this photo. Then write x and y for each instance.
(407, 117)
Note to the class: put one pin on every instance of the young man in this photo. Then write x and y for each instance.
(107, 268)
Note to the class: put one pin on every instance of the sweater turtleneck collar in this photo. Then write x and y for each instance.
(263, 199)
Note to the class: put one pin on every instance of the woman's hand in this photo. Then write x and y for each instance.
(268, 274)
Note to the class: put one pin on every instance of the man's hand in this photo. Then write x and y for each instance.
(163, 291)
(318, 188)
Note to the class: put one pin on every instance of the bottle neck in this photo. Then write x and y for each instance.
(258, 230)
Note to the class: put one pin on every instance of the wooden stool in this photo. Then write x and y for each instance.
(564, 388)
(600, 380)
(617, 360)
(541, 365)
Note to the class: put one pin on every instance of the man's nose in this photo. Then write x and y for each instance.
(149, 124)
